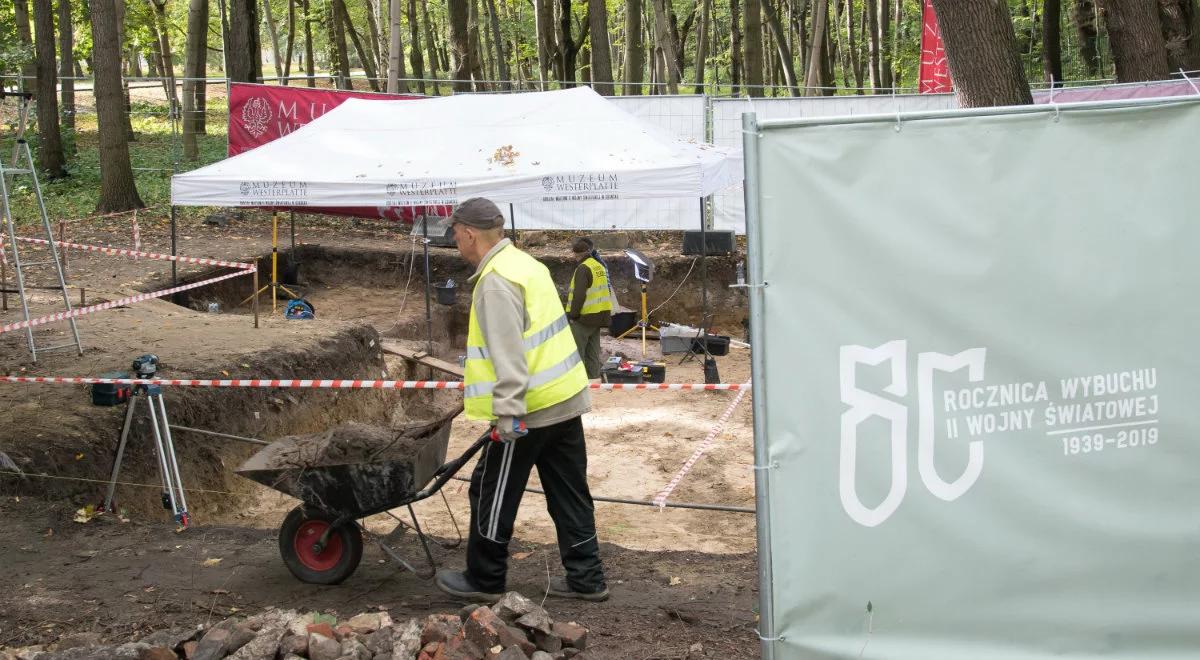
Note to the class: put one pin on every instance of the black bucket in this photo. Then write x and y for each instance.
(711, 375)
(445, 293)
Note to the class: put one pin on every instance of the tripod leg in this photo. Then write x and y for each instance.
(169, 444)
(116, 470)
(163, 468)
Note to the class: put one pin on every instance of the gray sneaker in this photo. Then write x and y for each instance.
(560, 589)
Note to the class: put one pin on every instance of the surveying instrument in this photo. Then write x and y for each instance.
(173, 499)
(643, 272)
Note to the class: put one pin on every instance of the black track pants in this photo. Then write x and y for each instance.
(497, 485)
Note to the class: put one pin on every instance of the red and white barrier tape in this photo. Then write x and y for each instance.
(122, 252)
(661, 499)
(336, 383)
(61, 316)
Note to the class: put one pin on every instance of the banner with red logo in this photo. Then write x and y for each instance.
(935, 70)
(259, 114)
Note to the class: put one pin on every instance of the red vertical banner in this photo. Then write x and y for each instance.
(935, 70)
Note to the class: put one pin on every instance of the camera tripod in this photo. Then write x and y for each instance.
(173, 498)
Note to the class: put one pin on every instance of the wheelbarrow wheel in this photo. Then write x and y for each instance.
(335, 562)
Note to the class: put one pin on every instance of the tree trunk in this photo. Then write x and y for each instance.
(1135, 33)
(601, 70)
(1180, 20)
(196, 52)
(245, 53)
(982, 54)
(163, 40)
(364, 55)
(665, 42)
(337, 38)
(475, 56)
(754, 48)
(814, 77)
(897, 25)
(566, 45)
(1083, 14)
(289, 50)
(502, 70)
(21, 16)
(635, 48)
(459, 12)
(781, 45)
(66, 71)
(274, 34)
(1051, 42)
(735, 47)
(856, 67)
(310, 67)
(872, 10)
(396, 72)
(374, 42)
(118, 192)
(885, 54)
(702, 45)
(430, 45)
(50, 148)
(414, 40)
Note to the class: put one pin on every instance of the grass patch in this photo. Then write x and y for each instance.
(154, 152)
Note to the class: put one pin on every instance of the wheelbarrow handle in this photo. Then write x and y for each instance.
(450, 468)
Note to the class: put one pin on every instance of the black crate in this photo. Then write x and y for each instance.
(621, 322)
(653, 372)
(620, 376)
(717, 345)
(716, 242)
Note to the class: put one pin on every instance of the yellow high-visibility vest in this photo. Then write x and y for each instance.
(599, 297)
(555, 371)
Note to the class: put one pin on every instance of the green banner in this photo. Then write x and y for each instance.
(981, 380)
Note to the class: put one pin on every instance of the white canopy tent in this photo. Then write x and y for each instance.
(561, 146)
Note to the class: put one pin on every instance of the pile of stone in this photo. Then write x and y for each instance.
(515, 628)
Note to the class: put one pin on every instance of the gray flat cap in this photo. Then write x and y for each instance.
(479, 213)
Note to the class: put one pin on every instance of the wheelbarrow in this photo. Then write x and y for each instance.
(321, 540)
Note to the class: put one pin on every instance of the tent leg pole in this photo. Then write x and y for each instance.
(255, 296)
(174, 264)
(512, 220)
(428, 284)
(292, 218)
(703, 270)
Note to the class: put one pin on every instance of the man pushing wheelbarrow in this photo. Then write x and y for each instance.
(523, 374)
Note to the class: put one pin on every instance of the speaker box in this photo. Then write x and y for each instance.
(716, 242)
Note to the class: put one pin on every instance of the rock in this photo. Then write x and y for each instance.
(321, 647)
(533, 238)
(379, 642)
(536, 620)
(466, 611)
(485, 629)
(696, 649)
(459, 648)
(439, 628)
(570, 652)
(157, 653)
(29, 652)
(541, 655)
(355, 649)
(171, 639)
(293, 644)
(572, 634)
(428, 651)
(78, 640)
(216, 643)
(189, 649)
(511, 653)
(406, 640)
(293, 656)
(611, 240)
(129, 651)
(322, 629)
(549, 643)
(266, 643)
(364, 624)
(513, 606)
(242, 634)
(299, 625)
(342, 632)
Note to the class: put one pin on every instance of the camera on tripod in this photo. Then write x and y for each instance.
(145, 366)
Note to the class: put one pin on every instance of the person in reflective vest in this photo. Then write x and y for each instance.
(589, 303)
(523, 375)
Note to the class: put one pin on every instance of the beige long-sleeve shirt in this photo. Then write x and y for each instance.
(499, 308)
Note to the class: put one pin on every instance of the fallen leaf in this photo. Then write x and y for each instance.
(220, 592)
(521, 555)
(225, 373)
(212, 561)
(676, 581)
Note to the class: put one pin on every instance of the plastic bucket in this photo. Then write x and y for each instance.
(445, 293)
